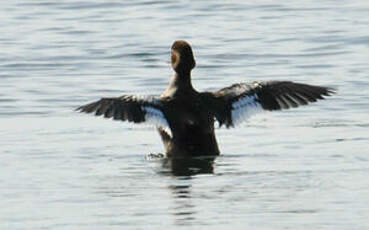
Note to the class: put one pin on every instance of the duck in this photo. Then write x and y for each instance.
(185, 118)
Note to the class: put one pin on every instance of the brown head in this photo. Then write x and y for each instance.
(182, 57)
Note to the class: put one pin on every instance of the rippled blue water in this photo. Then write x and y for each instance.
(301, 169)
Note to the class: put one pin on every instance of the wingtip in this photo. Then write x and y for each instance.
(330, 91)
(79, 109)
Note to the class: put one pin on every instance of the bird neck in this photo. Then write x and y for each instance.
(182, 80)
(180, 83)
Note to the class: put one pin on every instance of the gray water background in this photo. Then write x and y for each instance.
(304, 168)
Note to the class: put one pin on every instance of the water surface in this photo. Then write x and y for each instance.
(305, 168)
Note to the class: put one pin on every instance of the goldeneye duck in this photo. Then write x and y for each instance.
(185, 117)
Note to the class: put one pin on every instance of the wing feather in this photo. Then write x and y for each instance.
(137, 109)
(245, 100)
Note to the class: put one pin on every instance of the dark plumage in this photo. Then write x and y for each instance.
(185, 117)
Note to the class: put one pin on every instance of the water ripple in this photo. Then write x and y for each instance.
(276, 171)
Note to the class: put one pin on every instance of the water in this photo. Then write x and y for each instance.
(305, 168)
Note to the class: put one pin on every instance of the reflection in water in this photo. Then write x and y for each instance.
(189, 166)
(184, 210)
(180, 172)
(184, 170)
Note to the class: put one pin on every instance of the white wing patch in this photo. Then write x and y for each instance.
(150, 99)
(157, 118)
(244, 108)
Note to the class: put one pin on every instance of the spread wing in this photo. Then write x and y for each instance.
(137, 109)
(240, 101)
